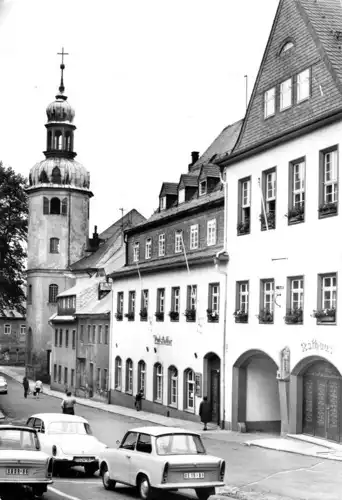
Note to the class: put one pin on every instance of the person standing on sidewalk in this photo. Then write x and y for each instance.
(68, 404)
(138, 399)
(38, 388)
(205, 412)
(26, 386)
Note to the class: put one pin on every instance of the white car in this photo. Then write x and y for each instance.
(3, 385)
(158, 459)
(69, 440)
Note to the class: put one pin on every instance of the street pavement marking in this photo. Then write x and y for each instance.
(76, 481)
(60, 493)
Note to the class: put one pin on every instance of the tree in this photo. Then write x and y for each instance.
(13, 237)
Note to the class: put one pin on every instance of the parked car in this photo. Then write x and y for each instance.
(69, 440)
(22, 463)
(3, 385)
(155, 459)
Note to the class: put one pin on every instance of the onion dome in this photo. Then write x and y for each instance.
(60, 110)
(61, 171)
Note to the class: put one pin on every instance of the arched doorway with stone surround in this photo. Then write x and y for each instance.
(255, 393)
(315, 399)
(212, 384)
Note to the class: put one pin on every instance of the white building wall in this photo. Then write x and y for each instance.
(131, 338)
(262, 402)
(307, 249)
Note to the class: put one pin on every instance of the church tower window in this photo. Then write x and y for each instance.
(64, 206)
(56, 176)
(54, 245)
(55, 206)
(53, 292)
(29, 294)
(45, 205)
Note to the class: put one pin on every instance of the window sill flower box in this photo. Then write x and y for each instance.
(243, 227)
(294, 317)
(271, 220)
(190, 314)
(324, 315)
(240, 316)
(118, 316)
(296, 214)
(143, 315)
(265, 316)
(174, 315)
(130, 316)
(327, 209)
(212, 315)
(159, 316)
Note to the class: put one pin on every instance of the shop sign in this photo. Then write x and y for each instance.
(198, 383)
(314, 345)
(161, 340)
(285, 363)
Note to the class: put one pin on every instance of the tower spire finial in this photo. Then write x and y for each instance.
(62, 66)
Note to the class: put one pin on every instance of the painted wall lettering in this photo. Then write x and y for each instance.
(161, 340)
(314, 345)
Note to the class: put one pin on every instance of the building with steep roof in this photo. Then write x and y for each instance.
(284, 369)
(168, 335)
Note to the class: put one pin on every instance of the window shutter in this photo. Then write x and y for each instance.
(64, 206)
(45, 205)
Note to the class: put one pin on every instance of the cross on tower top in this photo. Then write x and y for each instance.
(62, 66)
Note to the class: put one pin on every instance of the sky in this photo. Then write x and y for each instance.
(150, 81)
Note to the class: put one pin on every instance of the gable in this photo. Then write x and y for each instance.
(293, 22)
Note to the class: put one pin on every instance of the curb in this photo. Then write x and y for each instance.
(302, 453)
(235, 493)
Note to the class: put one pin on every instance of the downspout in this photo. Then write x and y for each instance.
(224, 252)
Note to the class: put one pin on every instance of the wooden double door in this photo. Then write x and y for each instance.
(322, 401)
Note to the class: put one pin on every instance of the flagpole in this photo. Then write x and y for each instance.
(263, 204)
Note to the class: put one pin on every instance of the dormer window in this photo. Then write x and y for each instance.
(286, 94)
(269, 102)
(162, 203)
(136, 252)
(202, 188)
(303, 85)
(286, 47)
(181, 195)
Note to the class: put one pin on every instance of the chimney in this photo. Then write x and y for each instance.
(194, 158)
(95, 234)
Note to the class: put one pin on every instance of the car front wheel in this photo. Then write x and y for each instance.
(204, 493)
(145, 490)
(108, 483)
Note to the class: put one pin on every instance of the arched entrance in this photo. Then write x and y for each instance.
(255, 393)
(211, 383)
(322, 400)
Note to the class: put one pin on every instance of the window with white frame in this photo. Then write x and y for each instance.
(99, 334)
(129, 376)
(7, 329)
(22, 330)
(178, 241)
(298, 185)
(243, 293)
(173, 386)
(269, 193)
(54, 245)
(144, 300)
(244, 206)
(269, 102)
(148, 248)
(53, 292)
(161, 245)
(286, 94)
(192, 297)
(162, 203)
(175, 299)
(329, 195)
(120, 302)
(296, 293)
(181, 195)
(136, 251)
(214, 300)
(211, 232)
(202, 188)
(267, 301)
(303, 85)
(329, 291)
(158, 382)
(118, 374)
(131, 302)
(142, 376)
(189, 389)
(161, 300)
(193, 236)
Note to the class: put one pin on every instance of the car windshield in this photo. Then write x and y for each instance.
(69, 428)
(179, 444)
(18, 439)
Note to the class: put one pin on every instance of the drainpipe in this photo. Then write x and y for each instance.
(224, 252)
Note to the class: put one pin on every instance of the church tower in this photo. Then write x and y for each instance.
(58, 196)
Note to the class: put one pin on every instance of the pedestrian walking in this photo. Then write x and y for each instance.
(26, 386)
(38, 388)
(68, 404)
(138, 399)
(205, 412)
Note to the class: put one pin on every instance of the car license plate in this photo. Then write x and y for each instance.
(194, 475)
(15, 471)
(84, 459)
